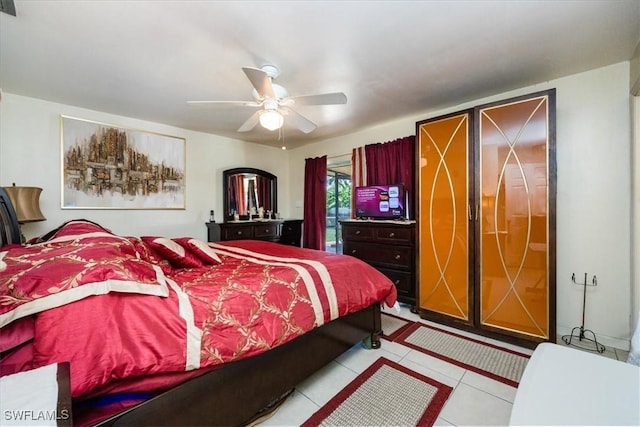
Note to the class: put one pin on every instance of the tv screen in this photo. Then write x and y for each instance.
(380, 201)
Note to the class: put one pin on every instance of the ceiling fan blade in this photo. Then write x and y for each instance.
(260, 81)
(322, 99)
(298, 121)
(251, 122)
(241, 103)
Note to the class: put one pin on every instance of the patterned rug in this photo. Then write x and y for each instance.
(501, 364)
(386, 393)
(394, 326)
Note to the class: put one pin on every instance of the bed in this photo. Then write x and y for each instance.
(162, 331)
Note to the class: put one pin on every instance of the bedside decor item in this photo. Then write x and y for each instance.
(109, 167)
(27, 204)
(589, 344)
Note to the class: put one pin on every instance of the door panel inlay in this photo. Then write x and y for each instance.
(444, 239)
(514, 217)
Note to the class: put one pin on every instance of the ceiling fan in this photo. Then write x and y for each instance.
(275, 103)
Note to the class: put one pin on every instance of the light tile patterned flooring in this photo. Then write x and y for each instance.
(476, 399)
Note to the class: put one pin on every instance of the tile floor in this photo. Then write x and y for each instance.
(476, 399)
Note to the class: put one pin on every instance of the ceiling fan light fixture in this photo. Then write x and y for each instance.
(271, 120)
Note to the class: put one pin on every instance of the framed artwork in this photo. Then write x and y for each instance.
(109, 167)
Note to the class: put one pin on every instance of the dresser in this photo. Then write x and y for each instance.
(285, 231)
(389, 246)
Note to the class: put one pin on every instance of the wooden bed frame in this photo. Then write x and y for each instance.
(238, 392)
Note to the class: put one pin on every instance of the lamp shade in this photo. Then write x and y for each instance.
(271, 120)
(26, 202)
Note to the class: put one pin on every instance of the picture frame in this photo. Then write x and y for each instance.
(106, 166)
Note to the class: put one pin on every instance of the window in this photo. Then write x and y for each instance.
(338, 203)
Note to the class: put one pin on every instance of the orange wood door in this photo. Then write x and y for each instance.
(443, 206)
(513, 140)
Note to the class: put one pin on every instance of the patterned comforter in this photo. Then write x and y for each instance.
(117, 309)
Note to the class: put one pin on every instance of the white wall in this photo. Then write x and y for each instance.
(30, 145)
(635, 220)
(634, 84)
(593, 200)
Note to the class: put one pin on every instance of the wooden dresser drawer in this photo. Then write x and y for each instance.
(355, 232)
(291, 228)
(381, 255)
(388, 246)
(402, 280)
(266, 229)
(288, 232)
(237, 232)
(395, 235)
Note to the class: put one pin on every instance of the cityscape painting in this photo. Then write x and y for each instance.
(108, 167)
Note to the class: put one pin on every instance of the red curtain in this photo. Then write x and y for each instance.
(358, 173)
(315, 203)
(393, 163)
(263, 185)
(236, 196)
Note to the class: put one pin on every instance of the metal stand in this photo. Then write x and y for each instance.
(580, 329)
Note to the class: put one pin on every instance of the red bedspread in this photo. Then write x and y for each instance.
(112, 326)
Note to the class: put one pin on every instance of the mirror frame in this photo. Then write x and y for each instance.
(225, 188)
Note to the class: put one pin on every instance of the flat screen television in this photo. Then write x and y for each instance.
(380, 201)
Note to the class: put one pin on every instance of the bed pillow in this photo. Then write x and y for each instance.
(16, 333)
(200, 249)
(71, 228)
(175, 253)
(149, 255)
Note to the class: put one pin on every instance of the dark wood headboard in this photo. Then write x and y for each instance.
(9, 227)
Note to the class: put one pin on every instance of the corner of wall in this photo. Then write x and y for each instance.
(634, 72)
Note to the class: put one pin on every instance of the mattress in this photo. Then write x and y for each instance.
(566, 386)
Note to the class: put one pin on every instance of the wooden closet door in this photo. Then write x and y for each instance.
(443, 215)
(515, 295)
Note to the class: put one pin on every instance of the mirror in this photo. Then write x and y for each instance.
(246, 190)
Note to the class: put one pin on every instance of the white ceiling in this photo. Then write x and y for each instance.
(145, 59)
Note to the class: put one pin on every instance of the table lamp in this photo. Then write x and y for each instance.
(26, 202)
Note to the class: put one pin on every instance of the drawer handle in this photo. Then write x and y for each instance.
(392, 234)
(397, 282)
(397, 256)
(239, 233)
(357, 232)
(266, 230)
(353, 251)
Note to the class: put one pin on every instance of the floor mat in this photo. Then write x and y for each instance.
(386, 393)
(486, 359)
